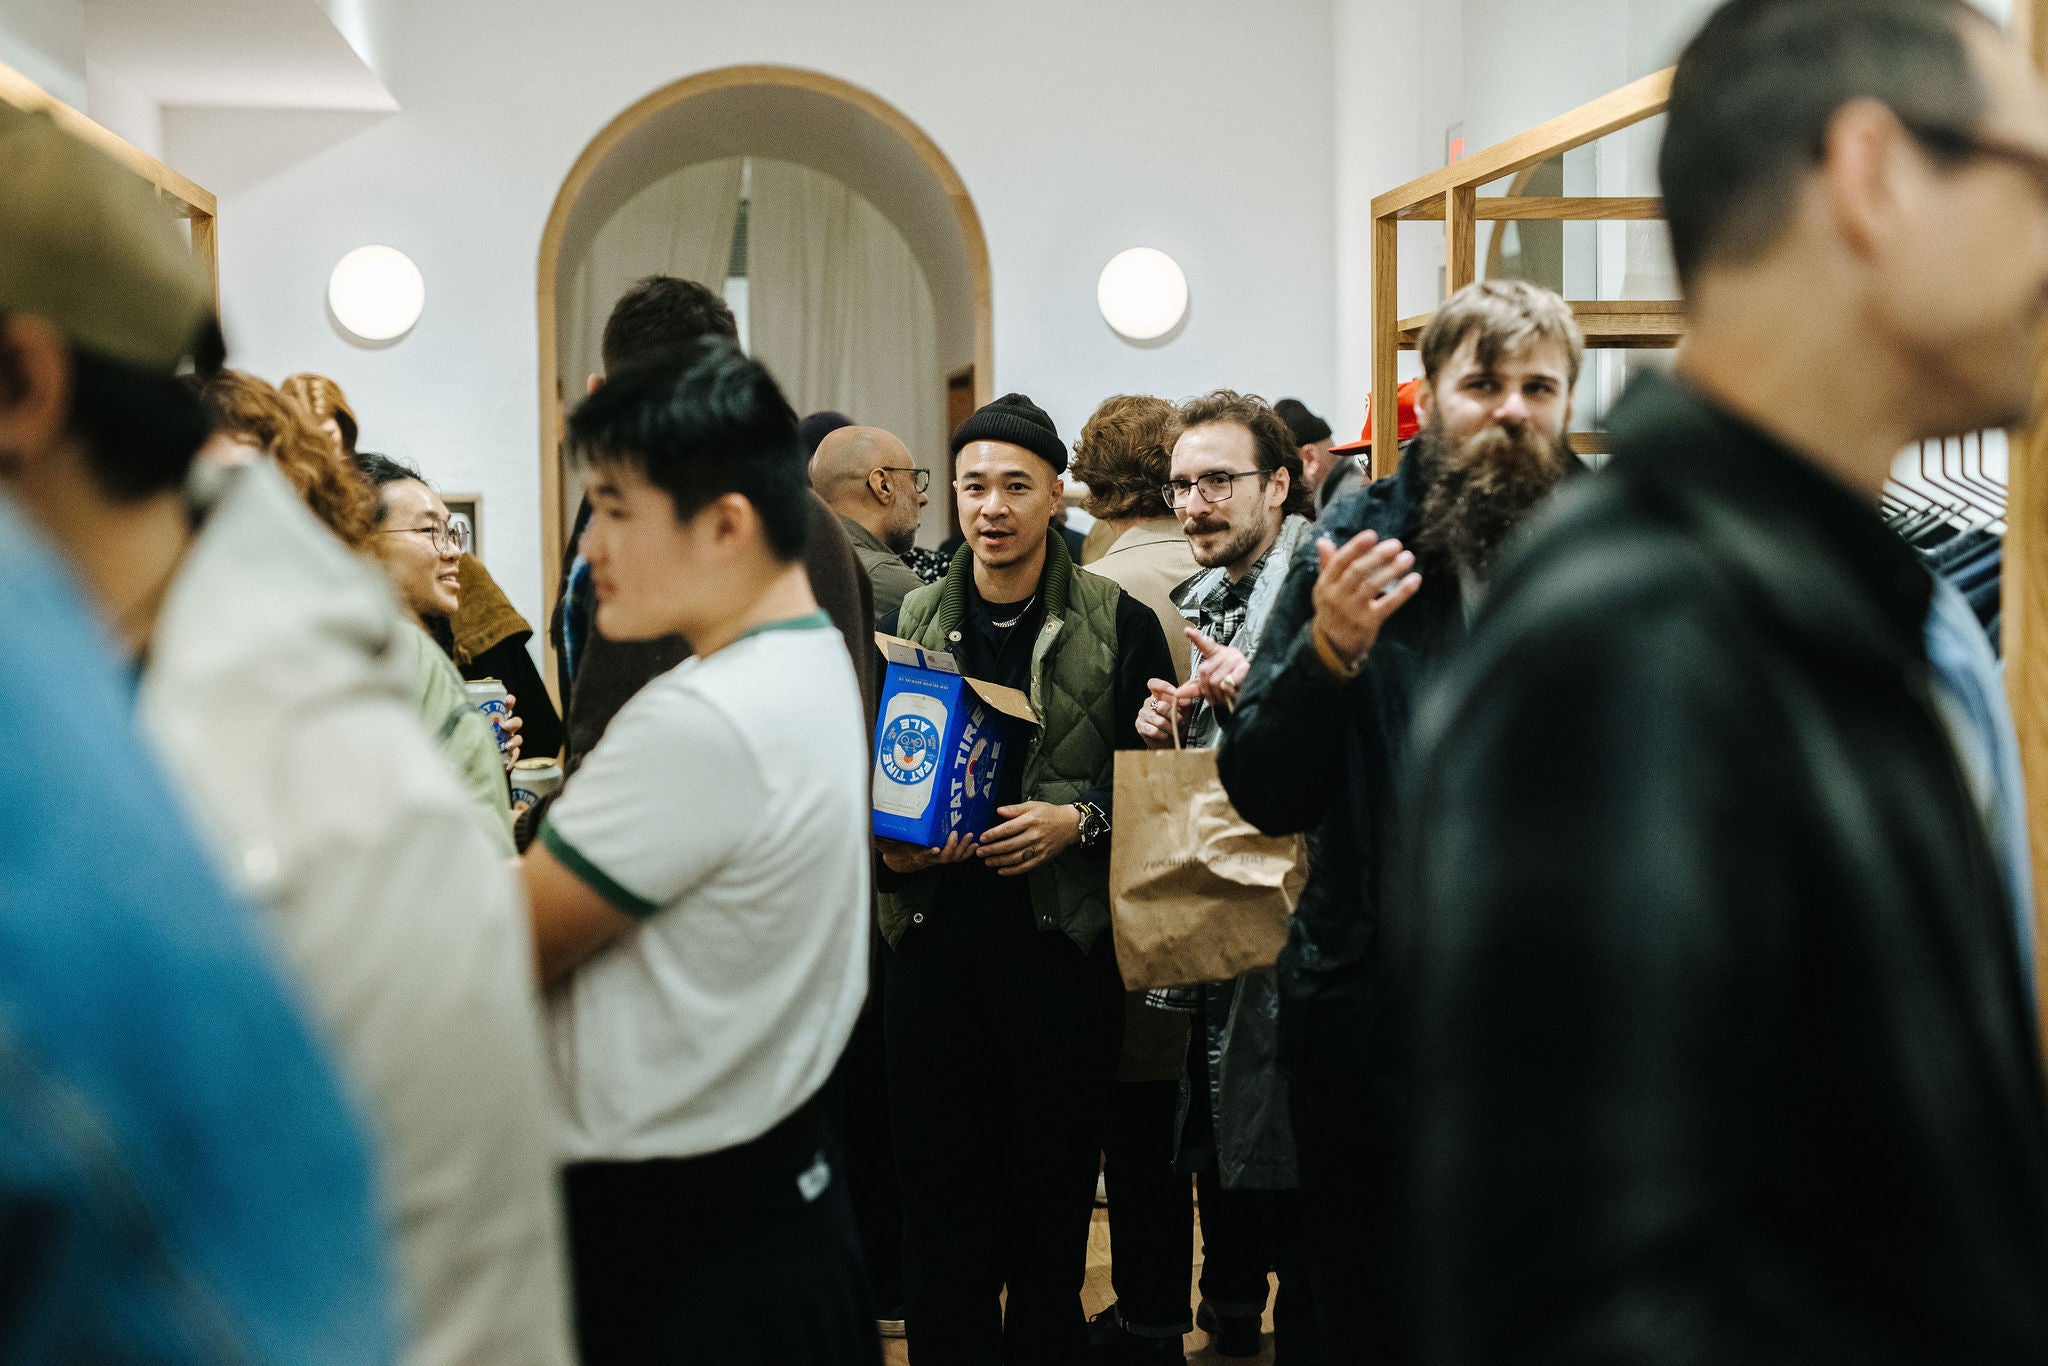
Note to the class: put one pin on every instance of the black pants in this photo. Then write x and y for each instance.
(1340, 1147)
(737, 1258)
(861, 1092)
(1002, 1043)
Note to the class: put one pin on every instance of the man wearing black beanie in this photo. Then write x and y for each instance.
(1004, 1008)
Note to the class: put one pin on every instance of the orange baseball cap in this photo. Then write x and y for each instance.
(1408, 424)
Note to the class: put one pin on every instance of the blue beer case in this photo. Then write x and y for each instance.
(941, 741)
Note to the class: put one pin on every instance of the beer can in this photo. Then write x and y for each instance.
(533, 779)
(488, 696)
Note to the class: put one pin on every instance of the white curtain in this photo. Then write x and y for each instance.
(840, 311)
(679, 225)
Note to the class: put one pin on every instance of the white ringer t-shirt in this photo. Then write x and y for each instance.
(726, 808)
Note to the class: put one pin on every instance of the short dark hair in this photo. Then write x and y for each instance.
(1757, 87)
(1272, 443)
(660, 313)
(141, 427)
(378, 470)
(701, 422)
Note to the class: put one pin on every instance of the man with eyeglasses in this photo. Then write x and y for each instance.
(871, 483)
(1721, 1040)
(1238, 490)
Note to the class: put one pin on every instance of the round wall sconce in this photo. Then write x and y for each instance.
(376, 293)
(1143, 294)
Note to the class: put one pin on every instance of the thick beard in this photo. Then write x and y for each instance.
(1480, 490)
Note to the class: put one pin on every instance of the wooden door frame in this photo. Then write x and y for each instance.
(186, 198)
(607, 141)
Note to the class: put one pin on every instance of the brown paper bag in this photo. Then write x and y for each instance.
(1196, 893)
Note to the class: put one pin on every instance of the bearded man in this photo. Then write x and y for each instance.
(1370, 612)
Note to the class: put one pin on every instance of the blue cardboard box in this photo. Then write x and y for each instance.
(940, 744)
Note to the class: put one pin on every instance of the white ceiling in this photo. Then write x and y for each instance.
(232, 54)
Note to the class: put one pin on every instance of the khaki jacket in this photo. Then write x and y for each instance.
(1149, 561)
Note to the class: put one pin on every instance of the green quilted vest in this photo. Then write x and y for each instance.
(1073, 686)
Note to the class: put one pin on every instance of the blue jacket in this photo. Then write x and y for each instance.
(180, 1177)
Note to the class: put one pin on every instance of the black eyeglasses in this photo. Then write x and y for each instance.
(1953, 145)
(1216, 487)
(450, 538)
(921, 478)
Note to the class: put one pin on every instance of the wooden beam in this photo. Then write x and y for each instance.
(1386, 307)
(1461, 241)
(206, 246)
(2024, 621)
(1617, 324)
(1606, 208)
(23, 93)
(1589, 443)
(1547, 208)
(1631, 104)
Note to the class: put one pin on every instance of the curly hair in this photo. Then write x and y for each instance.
(1272, 442)
(244, 405)
(1125, 457)
(323, 399)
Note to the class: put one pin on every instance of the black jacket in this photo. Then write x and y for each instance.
(1721, 1049)
(1308, 752)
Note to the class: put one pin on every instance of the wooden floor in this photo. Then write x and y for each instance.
(1096, 1295)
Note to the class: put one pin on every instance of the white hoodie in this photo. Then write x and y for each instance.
(276, 687)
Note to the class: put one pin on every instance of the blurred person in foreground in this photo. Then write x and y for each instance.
(418, 545)
(263, 654)
(700, 895)
(184, 1178)
(1721, 1045)
(1371, 612)
(484, 634)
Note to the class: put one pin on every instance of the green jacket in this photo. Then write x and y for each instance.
(1073, 686)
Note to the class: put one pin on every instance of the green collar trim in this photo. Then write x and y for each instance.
(594, 877)
(809, 621)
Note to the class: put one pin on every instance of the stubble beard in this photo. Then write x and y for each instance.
(1240, 545)
(1483, 488)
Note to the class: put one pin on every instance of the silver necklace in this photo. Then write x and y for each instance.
(1006, 625)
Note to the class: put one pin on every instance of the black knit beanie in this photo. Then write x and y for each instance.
(1017, 420)
(1306, 426)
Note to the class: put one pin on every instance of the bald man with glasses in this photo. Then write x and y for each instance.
(869, 480)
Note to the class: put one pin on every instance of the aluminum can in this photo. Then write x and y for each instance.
(533, 779)
(488, 696)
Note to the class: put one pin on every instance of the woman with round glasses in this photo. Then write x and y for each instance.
(421, 547)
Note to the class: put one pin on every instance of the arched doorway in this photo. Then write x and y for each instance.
(787, 114)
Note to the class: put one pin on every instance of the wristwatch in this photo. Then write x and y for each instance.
(1094, 823)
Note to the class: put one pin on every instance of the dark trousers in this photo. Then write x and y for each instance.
(745, 1257)
(1002, 1043)
(867, 1139)
(1340, 1148)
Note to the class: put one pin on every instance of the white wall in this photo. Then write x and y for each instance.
(1201, 127)
(45, 41)
(1496, 67)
